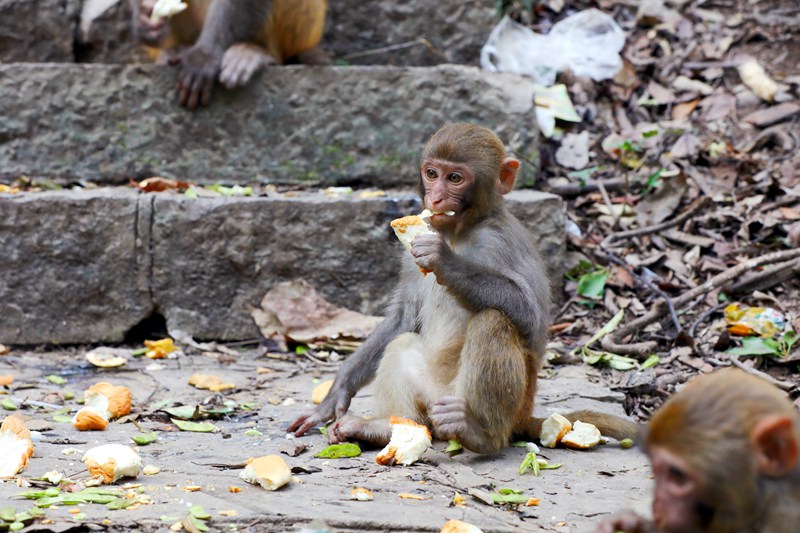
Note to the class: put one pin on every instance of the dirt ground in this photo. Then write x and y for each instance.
(199, 468)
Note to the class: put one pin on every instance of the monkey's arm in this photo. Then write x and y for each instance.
(355, 372)
(227, 22)
(478, 286)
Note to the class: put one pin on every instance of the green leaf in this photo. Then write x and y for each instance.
(626, 444)
(64, 419)
(301, 349)
(121, 503)
(789, 338)
(756, 346)
(197, 523)
(507, 490)
(593, 284)
(36, 494)
(16, 526)
(648, 134)
(653, 360)
(530, 462)
(248, 406)
(509, 498)
(147, 438)
(620, 362)
(253, 433)
(140, 352)
(198, 512)
(337, 451)
(519, 444)
(196, 427)
(652, 179)
(185, 412)
(8, 514)
(191, 192)
(453, 448)
(610, 326)
(8, 404)
(550, 466)
(324, 431)
(55, 380)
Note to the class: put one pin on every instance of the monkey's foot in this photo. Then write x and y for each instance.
(240, 63)
(376, 431)
(452, 420)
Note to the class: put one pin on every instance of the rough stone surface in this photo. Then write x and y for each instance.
(342, 125)
(456, 30)
(87, 266)
(573, 499)
(105, 34)
(39, 30)
(73, 267)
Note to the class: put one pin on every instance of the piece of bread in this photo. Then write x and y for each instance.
(269, 471)
(409, 441)
(112, 462)
(553, 430)
(406, 228)
(457, 526)
(16, 446)
(102, 402)
(582, 436)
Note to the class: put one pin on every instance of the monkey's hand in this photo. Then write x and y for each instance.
(199, 67)
(628, 521)
(431, 252)
(335, 405)
(240, 63)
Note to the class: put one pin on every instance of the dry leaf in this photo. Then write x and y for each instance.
(574, 151)
(295, 310)
(207, 381)
(407, 496)
(772, 115)
(159, 184)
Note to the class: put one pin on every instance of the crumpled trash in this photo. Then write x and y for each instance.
(762, 321)
(588, 43)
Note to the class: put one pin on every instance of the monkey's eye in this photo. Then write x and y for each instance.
(677, 476)
(455, 177)
(430, 174)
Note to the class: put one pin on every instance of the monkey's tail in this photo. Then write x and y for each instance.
(612, 426)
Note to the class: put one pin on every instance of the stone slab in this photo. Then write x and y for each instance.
(87, 266)
(573, 499)
(294, 125)
(37, 31)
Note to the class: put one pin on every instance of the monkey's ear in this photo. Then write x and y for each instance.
(508, 174)
(776, 445)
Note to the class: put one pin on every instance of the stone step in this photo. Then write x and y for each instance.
(379, 32)
(85, 266)
(325, 125)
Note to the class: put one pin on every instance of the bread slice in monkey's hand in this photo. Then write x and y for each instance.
(407, 228)
(409, 441)
(164, 9)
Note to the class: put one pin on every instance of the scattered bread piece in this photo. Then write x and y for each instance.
(361, 494)
(457, 526)
(210, 382)
(112, 462)
(582, 437)
(409, 441)
(269, 471)
(757, 80)
(16, 446)
(321, 391)
(102, 402)
(553, 430)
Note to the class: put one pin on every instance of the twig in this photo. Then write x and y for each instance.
(576, 189)
(767, 278)
(393, 48)
(649, 230)
(613, 343)
(763, 375)
(618, 261)
(607, 200)
(707, 313)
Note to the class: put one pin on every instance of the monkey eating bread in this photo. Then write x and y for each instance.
(460, 348)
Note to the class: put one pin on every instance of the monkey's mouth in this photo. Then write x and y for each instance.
(430, 213)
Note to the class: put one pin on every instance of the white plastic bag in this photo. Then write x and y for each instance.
(588, 43)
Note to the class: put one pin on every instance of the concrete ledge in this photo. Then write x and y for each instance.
(86, 266)
(337, 125)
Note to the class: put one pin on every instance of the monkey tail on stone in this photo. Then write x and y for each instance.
(612, 426)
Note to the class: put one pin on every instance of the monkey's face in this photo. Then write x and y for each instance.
(447, 187)
(677, 504)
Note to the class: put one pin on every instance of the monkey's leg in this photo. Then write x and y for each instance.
(403, 387)
(313, 56)
(493, 387)
(240, 63)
